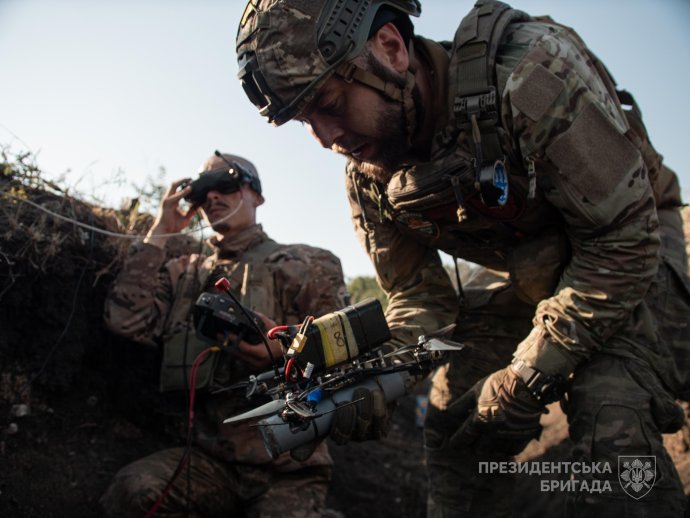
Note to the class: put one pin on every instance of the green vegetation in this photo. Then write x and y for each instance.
(361, 288)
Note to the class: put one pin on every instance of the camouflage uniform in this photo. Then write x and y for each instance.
(587, 270)
(231, 471)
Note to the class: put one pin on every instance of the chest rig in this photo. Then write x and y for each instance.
(249, 278)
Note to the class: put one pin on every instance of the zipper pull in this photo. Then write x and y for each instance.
(381, 199)
(455, 183)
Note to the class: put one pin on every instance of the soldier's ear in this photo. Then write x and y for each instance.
(257, 199)
(251, 196)
(388, 46)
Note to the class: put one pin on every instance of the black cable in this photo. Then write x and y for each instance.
(257, 328)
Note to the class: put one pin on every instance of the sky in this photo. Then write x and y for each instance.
(106, 89)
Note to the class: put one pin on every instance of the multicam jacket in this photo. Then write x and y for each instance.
(580, 233)
(150, 303)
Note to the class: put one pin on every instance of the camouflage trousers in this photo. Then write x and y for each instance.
(216, 489)
(609, 409)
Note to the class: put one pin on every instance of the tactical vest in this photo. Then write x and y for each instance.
(181, 345)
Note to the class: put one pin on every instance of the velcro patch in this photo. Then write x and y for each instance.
(593, 154)
(537, 92)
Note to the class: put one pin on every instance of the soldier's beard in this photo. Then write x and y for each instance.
(393, 143)
(223, 224)
(391, 147)
(221, 227)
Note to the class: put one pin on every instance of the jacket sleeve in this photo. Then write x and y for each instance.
(141, 296)
(421, 298)
(568, 125)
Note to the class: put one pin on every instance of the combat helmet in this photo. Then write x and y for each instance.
(286, 49)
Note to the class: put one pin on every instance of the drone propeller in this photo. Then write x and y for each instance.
(435, 344)
(310, 415)
(272, 407)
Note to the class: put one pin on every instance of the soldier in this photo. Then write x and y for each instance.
(150, 302)
(508, 147)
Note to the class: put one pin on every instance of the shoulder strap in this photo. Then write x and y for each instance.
(472, 79)
(475, 44)
(257, 291)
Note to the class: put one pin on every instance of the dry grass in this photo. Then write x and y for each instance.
(33, 240)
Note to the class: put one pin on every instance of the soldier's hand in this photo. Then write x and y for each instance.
(366, 417)
(255, 355)
(502, 415)
(171, 218)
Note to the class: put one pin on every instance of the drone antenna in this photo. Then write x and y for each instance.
(220, 155)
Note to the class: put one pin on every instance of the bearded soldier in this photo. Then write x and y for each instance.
(512, 148)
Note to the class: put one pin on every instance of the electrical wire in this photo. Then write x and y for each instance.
(249, 318)
(272, 333)
(118, 234)
(186, 456)
(184, 460)
(288, 369)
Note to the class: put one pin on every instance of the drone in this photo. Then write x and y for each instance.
(326, 360)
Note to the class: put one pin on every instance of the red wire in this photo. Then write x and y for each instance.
(273, 330)
(192, 384)
(190, 425)
(288, 367)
